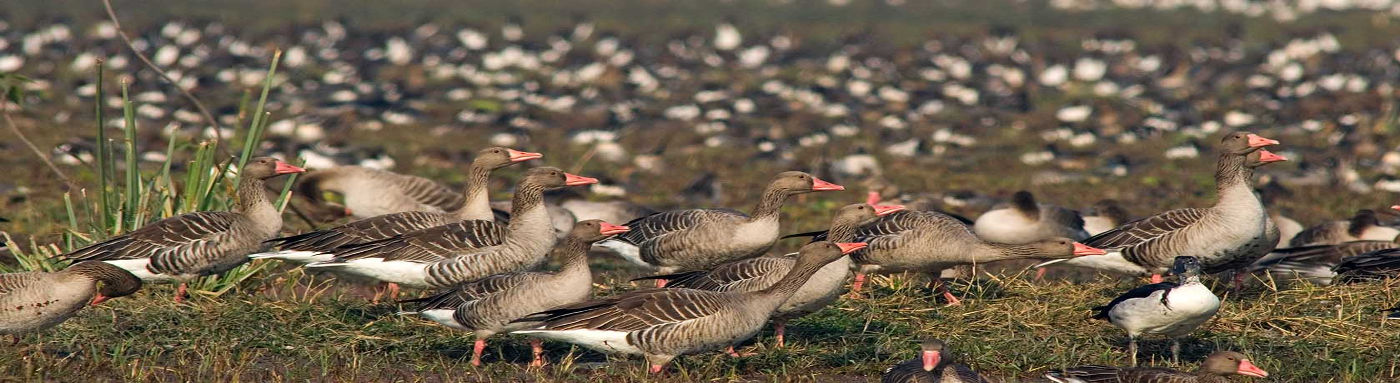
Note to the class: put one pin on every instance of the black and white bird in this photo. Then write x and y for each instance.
(1168, 309)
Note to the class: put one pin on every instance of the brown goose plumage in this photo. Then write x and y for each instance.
(661, 324)
(371, 193)
(755, 274)
(448, 255)
(1215, 369)
(699, 239)
(1364, 226)
(1105, 215)
(1228, 235)
(929, 242)
(187, 246)
(934, 365)
(487, 306)
(36, 300)
(1371, 266)
(1315, 263)
(318, 246)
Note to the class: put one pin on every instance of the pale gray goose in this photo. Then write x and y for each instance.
(1165, 308)
(318, 246)
(192, 245)
(1228, 235)
(1288, 228)
(1314, 263)
(36, 300)
(1371, 266)
(1025, 221)
(662, 324)
(488, 306)
(759, 273)
(699, 239)
(1105, 215)
(934, 365)
(371, 193)
(930, 242)
(1363, 226)
(466, 250)
(1215, 369)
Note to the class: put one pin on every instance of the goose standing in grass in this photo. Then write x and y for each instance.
(36, 300)
(192, 245)
(759, 273)
(1228, 235)
(318, 246)
(662, 324)
(466, 250)
(487, 306)
(1217, 368)
(1371, 266)
(930, 242)
(1169, 309)
(934, 365)
(1026, 221)
(1315, 264)
(699, 239)
(1105, 215)
(1364, 226)
(371, 193)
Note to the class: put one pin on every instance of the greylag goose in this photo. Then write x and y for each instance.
(662, 324)
(487, 306)
(930, 242)
(759, 273)
(1026, 221)
(1364, 226)
(1315, 263)
(1288, 228)
(1215, 369)
(1169, 309)
(318, 246)
(466, 250)
(1104, 216)
(1375, 265)
(698, 239)
(187, 246)
(371, 193)
(1233, 231)
(36, 300)
(934, 365)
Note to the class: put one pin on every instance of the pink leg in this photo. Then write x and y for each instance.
(180, 293)
(537, 346)
(1039, 273)
(855, 286)
(378, 293)
(477, 349)
(660, 283)
(1238, 280)
(393, 291)
(947, 294)
(778, 327)
(1156, 278)
(656, 368)
(736, 354)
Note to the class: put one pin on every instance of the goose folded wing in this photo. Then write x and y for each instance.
(1146, 229)
(747, 275)
(1139, 292)
(431, 244)
(429, 192)
(1088, 374)
(1375, 263)
(632, 311)
(365, 230)
(652, 227)
(11, 282)
(474, 290)
(1319, 254)
(194, 235)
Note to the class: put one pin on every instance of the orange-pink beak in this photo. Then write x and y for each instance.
(1257, 141)
(930, 360)
(1082, 249)
(1249, 369)
(611, 229)
(887, 209)
(1395, 207)
(98, 299)
(517, 156)
(577, 180)
(819, 185)
(850, 247)
(286, 168)
(1267, 156)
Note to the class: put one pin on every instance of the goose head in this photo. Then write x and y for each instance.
(931, 353)
(112, 281)
(553, 178)
(498, 157)
(1231, 363)
(858, 213)
(267, 167)
(1244, 142)
(595, 230)
(795, 182)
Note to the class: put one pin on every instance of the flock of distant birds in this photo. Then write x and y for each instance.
(716, 286)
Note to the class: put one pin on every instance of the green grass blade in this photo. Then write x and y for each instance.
(103, 204)
(133, 170)
(255, 127)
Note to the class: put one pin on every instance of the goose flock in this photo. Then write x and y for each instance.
(716, 283)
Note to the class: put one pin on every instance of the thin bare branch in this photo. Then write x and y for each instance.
(208, 117)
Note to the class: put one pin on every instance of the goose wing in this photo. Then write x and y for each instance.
(633, 311)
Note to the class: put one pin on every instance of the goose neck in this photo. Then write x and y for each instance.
(770, 204)
(477, 202)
